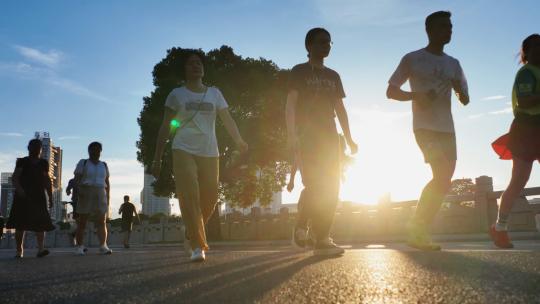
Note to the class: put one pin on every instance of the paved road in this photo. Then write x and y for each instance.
(462, 273)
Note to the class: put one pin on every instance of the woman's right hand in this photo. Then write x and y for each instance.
(156, 168)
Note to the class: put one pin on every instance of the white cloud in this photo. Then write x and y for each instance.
(51, 58)
(50, 77)
(495, 97)
(503, 111)
(475, 116)
(76, 88)
(11, 134)
(498, 112)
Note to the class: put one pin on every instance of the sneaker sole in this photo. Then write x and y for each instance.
(424, 247)
(494, 239)
(198, 260)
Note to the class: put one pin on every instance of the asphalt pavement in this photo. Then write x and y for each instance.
(468, 272)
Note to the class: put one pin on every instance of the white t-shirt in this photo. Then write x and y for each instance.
(198, 136)
(426, 71)
(94, 174)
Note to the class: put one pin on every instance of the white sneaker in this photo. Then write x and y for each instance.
(105, 250)
(198, 255)
(80, 250)
(327, 247)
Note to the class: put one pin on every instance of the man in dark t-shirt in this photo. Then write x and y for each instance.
(315, 98)
(128, 211)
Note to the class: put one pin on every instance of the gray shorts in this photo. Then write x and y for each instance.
(92, 200)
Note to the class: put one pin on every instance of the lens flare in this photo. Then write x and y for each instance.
(175, 123)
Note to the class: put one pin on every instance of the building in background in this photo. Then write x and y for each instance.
(272, 208)
(7, 192)
(53, 155)
(152, 204)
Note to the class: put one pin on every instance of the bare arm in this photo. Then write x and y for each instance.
(232, 129)
(108, 185)
(48, 188)
(290, 185)
(136, 214)
(422, 98)
(343, 118)
(393, 92)
(69, 188)
(163, 135)
(290, 117)
(461, 94)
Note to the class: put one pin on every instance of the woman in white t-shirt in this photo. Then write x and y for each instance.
(192, 109)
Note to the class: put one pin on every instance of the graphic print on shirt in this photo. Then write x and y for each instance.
(439, 76)
(194, 105)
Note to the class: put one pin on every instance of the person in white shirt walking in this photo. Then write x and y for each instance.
(92, 178)
(432, 75)
(192, 109)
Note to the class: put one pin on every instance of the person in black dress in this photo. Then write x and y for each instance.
(29, 212)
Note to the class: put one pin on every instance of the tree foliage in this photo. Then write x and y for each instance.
(255, 90)
(462, 186)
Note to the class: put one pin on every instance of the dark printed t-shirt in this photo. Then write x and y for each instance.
(318, 90)
(127, 211)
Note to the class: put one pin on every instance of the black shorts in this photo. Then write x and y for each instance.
(436, 145)
(127, 225)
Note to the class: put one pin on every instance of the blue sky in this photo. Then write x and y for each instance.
(79, 69)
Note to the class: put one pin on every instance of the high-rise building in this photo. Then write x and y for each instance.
(53, 155)
(7, 192)
(152, 204)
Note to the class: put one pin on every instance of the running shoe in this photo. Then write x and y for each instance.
(198, 255)
(105, 250)
(419, 238)
(42, 253)
(327, 247)
(500, 238)
(80, 250)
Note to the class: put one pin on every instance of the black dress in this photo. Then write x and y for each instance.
(30, 213)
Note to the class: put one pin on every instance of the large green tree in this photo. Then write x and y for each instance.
(255, 90)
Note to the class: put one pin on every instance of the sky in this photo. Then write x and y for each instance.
(79, 70)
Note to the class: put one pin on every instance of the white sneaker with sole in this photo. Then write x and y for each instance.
(198, 255)
(327, 247)
(105, 250)
(80, 250)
